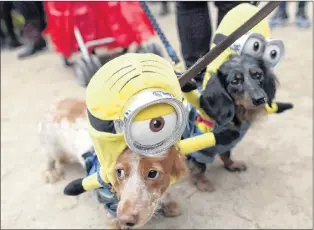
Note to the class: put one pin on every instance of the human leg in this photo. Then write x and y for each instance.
(194, 28)
(302, 20)
(32, 28)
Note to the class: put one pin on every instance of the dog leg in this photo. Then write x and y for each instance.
(54, 171)
(50, 173)
(198, 177)
(59, 167)
(170, 208)
(231, 165)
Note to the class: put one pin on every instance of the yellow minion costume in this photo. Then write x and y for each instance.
(133, 101)
(257, 43)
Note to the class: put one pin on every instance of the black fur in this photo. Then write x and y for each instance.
(270, 81)
(218, 98)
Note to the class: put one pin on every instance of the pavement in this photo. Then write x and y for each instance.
(275, 191)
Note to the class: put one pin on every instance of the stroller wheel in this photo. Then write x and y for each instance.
(94, 64)
(82, 72)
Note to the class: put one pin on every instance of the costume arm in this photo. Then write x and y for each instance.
(81, 185)
(193, 98)
(91, 182)
(271, 109)
(197, 143)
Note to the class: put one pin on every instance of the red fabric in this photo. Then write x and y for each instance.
(206, 122)
(126, 22)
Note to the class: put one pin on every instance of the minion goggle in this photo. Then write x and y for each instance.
(147, 132)
(271, 51)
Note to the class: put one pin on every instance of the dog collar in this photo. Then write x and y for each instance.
(206, 122)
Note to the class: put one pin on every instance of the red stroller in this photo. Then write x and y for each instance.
(84, 26)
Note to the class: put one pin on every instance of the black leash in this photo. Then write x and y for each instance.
(217, 50)
(229, 40)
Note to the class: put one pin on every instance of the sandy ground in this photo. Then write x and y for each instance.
(276, 191)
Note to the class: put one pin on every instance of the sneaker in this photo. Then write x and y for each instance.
(279, 19)
(302, 20)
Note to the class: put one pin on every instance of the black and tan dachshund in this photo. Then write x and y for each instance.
(234, 97)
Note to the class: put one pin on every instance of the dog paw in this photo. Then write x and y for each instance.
(236, 167)
(52, 176)
(202, 183)
(171, 209)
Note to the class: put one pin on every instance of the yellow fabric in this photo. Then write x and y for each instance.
(150, 112)
(272, 109)
(197, 143)
(232, 21)
(118, 80)
(91, 182)
(107, 97)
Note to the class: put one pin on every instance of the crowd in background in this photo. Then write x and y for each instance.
(192, 17)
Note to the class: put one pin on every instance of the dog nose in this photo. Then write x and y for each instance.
(259, 101)
(128, 220)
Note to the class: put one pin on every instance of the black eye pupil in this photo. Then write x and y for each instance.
(256, 46)
(152, 174)
(273, 54)
(119, 172)
(157, 124)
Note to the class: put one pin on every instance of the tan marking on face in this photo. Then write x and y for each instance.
(140, 195)
(70, 109)
(239, 76)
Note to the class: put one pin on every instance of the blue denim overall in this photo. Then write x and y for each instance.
(104, 194)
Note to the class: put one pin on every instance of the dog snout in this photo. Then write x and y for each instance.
(127, 214)
(129, 220)
(255, 92)
(258, 101)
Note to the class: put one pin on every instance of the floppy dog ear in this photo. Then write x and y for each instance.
(270, 83)
(215, 100)
(179, 168)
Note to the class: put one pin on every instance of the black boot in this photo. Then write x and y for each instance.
(14, 42)
(164, 9)
(32, 33)
(33, 48)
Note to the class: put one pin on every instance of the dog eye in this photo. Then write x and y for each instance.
(120, 173)
(258, 76)
(235, 81)
(256, 73)
(153, 174)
